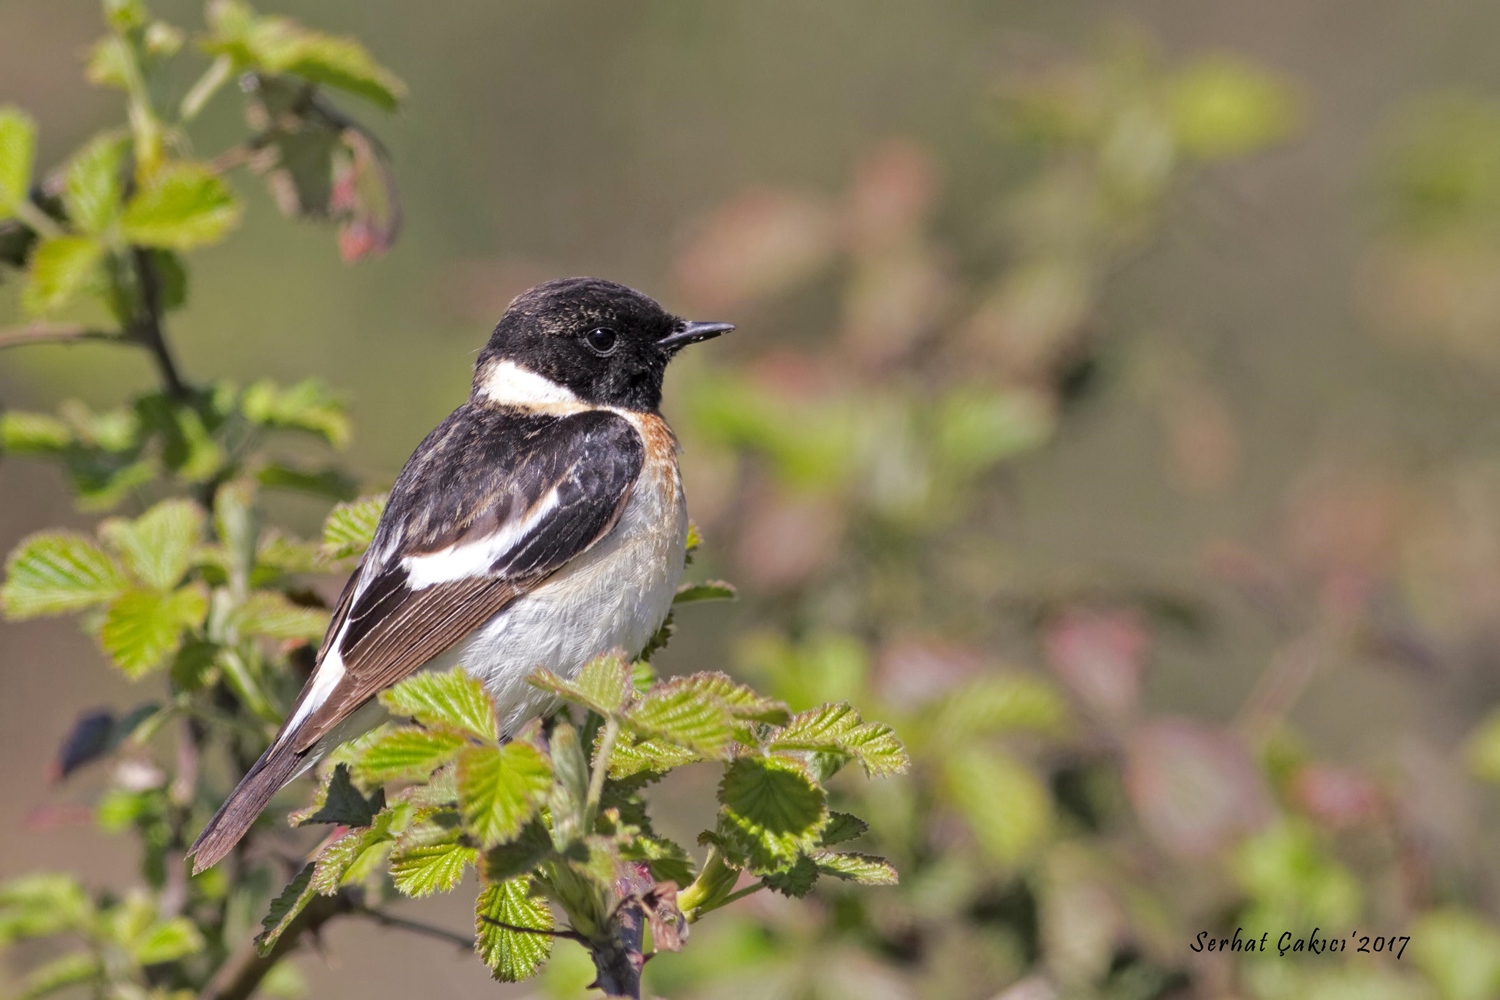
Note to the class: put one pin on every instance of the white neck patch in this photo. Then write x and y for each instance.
(508, 384)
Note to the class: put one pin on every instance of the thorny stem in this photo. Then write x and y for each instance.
(417, 927)
(47, 333)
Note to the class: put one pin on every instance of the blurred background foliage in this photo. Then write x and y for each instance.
(1111, 411)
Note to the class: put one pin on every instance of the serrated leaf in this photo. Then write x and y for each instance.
(797, 881)
(167, 941)
(838, 728)
(62, 267)
(158, 546)
(339, 802)
(58, 974)
(424, 869)
(772, 810)
(687, 716)
(95, 183)
(512, 955)
(183, 205)
(743, 701)
(17, 153)
(866, 869)
(142, 628)
(633, 756)
(449, 700)
(500, 789)
(350, 527)
(291, 901)
(307, 406)
(709, 590)
(56, 571)
(407, 753)
(842, 826)
(359, 854)
(602, 685)
(271, 614)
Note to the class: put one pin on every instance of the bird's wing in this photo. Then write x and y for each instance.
(492, 503)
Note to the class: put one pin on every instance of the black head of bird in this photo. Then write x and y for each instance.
(583, 340)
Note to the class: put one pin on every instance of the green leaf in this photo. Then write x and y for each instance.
(142, 628)
(285, 908)
(56, 571)
(512, 955)
(603, 684)
(270, 613)
(62, 267)
(306, 406)
(424, 869)
(772, 810)
(1459, 951)
(168, 941)
(797, 881)
(709, 590)
(451, 700)
(339, 802)
(42, 904)
(350, 527)
(158, 546)
(1483, 750)
(328, 481)
(359, 854)
(634, 756)
(842, 826)
(280, 45)
(96, 183)
(685, 715)
(1223, 107)
(17, 152)
(866, 869)
(519, 856)
(998, 704)
(500, 789)
(33, 433)
(742, 701)
(837, 728)
(183, 205)
(407, 753)
(1007, 807)
(58, 974)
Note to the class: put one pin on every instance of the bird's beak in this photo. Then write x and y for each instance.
(690, 333)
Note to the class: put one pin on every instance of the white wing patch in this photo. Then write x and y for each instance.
(470, 559)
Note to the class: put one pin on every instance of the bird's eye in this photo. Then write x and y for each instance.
(601, 341)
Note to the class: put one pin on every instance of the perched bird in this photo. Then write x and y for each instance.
(541, 524)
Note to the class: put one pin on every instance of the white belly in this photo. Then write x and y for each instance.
(616, 595)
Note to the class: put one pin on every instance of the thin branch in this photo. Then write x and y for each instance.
(416, 927)
(238, 978)
(147, 325)
(48, 333)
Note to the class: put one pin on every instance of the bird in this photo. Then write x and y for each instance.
(541, 524)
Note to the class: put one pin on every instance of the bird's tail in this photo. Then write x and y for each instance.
(277, 766)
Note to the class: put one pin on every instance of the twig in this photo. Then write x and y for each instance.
(416, 927)
(147, 326)
(239, 977)
(47, 333)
